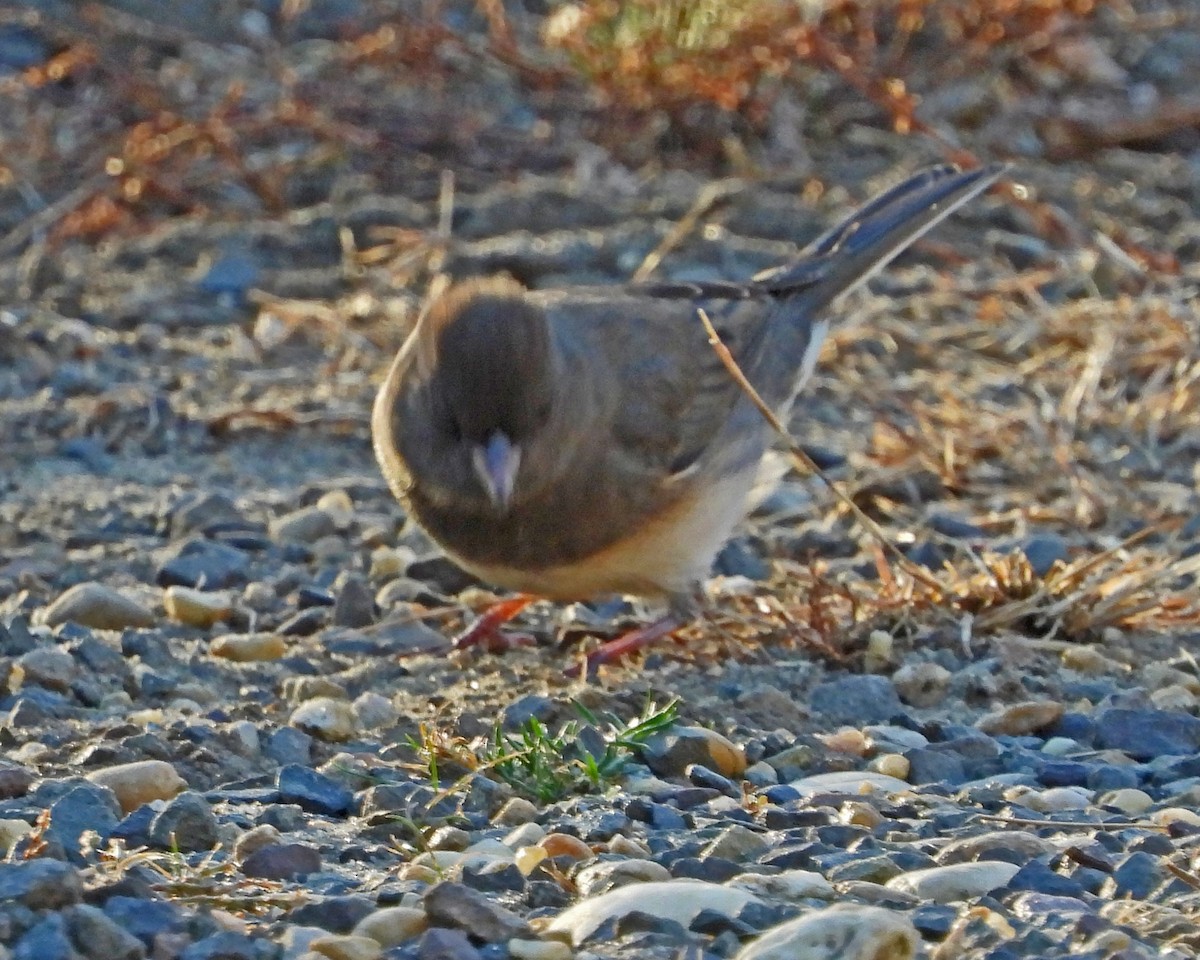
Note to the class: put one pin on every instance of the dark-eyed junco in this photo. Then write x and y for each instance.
(586, 441)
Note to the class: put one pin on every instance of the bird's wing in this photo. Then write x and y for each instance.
(663, 395)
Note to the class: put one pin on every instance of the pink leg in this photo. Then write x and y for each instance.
(485, 631)
(629, 643)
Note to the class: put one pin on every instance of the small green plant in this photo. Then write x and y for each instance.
(588, 753)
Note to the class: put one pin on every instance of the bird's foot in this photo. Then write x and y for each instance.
(627, 643)
(485, 631)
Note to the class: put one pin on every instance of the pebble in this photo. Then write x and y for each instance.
(539, 950)
(197, 608)
(438, 943)
(313, 791)
(345, 947)
(1057, 799)
(203, 564)
(849, 781)
(1020, 719)
(457, 905)
(39, 884)
(794, 886)
(856, 699)
(47, 667)
(391, 926)
(186, 823)
(953, 882)
(139, 782)
(922, 684)
(670, 754)
(248, 647)
(565, 845)
(1146, 734)
(355, 604)
(606, 875)
(676, 900)
(840, 932)
(98, 937)
(1044, 550)
(97, 606)
(373, 711)
(306, 525)
(325, 718)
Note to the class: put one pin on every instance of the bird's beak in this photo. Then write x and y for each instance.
(496, 462)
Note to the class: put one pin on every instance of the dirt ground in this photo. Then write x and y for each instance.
(218, 218)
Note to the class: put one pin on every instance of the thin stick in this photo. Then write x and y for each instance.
(706, 199)
(802, 457)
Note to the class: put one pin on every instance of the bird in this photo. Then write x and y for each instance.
(580, 442)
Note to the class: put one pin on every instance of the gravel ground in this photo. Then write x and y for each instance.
(217, 632)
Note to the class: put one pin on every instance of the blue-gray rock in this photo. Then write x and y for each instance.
(1106, 777)
(229, 946)
(186, 823)
(440, 573)
(134, 830)
(313, 791)
(86, 806)
(355, 606)
(46, 941)
(232, 274)
(97, 937)
(335, 914)
(39, 884)
(287, 745)
(282, 861)
(525, 708)
(1038, 877)
(935, 766)
(1145, 734)
(203, 564)
(858, 699)
(1043, 550)
(21, 48)
(16, 637)
(439, 943)
(1063, 773)
(738, 558)
(457, 905)
(493, 877)
(145, 919)
(1138, 876)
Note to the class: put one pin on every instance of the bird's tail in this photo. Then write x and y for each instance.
(845, 257)
(841, 260)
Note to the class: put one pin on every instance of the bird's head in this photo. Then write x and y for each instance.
(474, 397)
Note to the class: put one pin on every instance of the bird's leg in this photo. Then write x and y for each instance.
(682, 609)
(485, 631)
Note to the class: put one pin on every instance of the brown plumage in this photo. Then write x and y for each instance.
(579, 442)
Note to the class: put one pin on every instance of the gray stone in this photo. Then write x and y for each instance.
(287, 745)
(282, 861)
(144, 919)
(86, 806)
(186, 823)
(99, 607)
(438, 943)
(457, 905)
(226, 946)
(203, 564)
(1146, 734)
(355, 605)
(314, 791)
(97, 937)
(40, 884)
(46, 941)
(857, 699)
